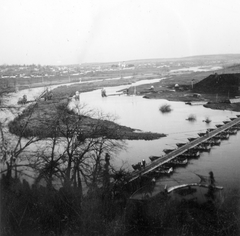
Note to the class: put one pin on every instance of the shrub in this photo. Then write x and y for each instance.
(191, 117)
(165, 108)
(207, 120)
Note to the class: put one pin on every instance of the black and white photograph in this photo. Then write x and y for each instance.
(119, 118)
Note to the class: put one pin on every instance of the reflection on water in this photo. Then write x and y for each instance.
(144, 114)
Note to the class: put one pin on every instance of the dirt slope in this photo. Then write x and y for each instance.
(222, 84)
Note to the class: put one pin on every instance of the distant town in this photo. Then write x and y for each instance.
(88, 69)
(14, 77)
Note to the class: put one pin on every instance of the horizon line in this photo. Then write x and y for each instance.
(107, 62)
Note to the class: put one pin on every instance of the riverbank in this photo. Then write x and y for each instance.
(38, 119)
(61, 94)
(174, 88)
(41, 118)
(165, 88)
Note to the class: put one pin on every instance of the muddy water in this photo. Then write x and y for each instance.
(144, 114)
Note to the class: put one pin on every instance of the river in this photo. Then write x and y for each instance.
(144, 114)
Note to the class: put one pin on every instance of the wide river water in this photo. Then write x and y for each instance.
(144, 114)
(139, 113)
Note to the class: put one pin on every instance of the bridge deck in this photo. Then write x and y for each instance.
(164, 159)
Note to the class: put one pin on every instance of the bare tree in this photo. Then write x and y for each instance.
(75, 151)
(14, 148)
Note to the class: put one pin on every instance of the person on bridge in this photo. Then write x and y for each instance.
(24, 100)
(211, 178)
(143, 163)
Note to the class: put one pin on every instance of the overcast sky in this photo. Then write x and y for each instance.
(78, 31)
